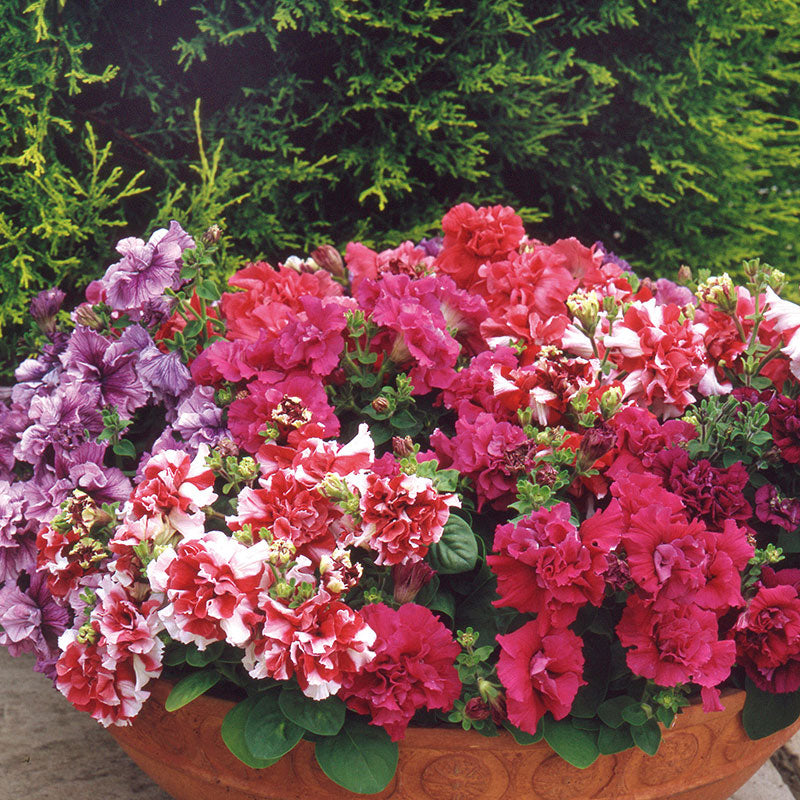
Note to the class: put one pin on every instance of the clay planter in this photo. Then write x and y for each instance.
(703, 757)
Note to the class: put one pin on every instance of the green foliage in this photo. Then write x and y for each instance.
(669, 130)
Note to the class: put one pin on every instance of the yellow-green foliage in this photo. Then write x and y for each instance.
(667, 128)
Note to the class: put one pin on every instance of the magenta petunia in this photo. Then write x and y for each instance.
(413, 668)
(541, 668)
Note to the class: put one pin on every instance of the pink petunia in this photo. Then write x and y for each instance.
(541, 668)
(413, 668)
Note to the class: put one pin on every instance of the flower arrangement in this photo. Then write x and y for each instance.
(478, 480)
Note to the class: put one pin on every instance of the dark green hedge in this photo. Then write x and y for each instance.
(667, 128)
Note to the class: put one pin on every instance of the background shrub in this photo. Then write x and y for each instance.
(669, 128)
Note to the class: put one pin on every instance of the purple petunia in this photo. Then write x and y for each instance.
(145, 269)
(59, 423)
(31, 622)
(199, 420)
(92, 361)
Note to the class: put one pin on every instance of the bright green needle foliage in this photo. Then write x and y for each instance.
(670, 130)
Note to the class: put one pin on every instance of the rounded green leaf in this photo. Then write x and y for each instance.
(765, 713)
(190, 688)
(361, 757)
(234, 737)
(456, 551)
(614, 740)
(574, 745)
(268, 733)
(324, 717)
(647, 737)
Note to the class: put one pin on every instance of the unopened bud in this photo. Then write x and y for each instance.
(409, 579)
(44, 308)
(85, 315)
(684, 275)
(595, 444)
(212, 235)
(610, 401)
(380, 405)
(476, 709)
(546, 475)
(329, 259)
(402, 446)
(248, 468)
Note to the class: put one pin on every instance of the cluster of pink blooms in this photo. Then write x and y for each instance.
(509, 340)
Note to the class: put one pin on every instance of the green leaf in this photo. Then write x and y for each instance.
(175, 655)
(634, 714)
(361, 757)
(267, 731)
(404, 421)
(647, 737)
(575, 746)
(456, 551)
(610, 711)
(125, 447)
(208, 290)
(444, 602)
(201, 658)
(523, 737)
(233, 734)
(193, 328)
(324, 717)
(614, 740)
(446, 480)
(765, 713)
(190, 688)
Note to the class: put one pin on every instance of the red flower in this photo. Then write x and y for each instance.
(107, 691)
(413, 668)
(293, 511)
(211, 586)
(767, 635)
(492, 454)
(177, 486)
(401, 517)
(541, 667)
(546, 565)
(473, 236)
(331, 643)
(710, 493)
(678, 643)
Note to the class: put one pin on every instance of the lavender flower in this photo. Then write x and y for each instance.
(44, 308)
(59, 423)
(92, 361)
(17, 534)
(163, 373)
(666, 291)
(85, 469)
(31, 622)
(146, 269)
(199, 420)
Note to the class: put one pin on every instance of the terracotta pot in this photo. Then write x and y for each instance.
(702, 757)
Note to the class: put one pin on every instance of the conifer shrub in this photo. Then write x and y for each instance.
(667, 129)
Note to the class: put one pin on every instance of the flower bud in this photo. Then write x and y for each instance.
(684, 274)
(409, 579)
(44, 308)
(476, 709)
(402, 446)
(380, 405)
(85, 315)
(212, 235)
(329, 259)
(595, 444)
